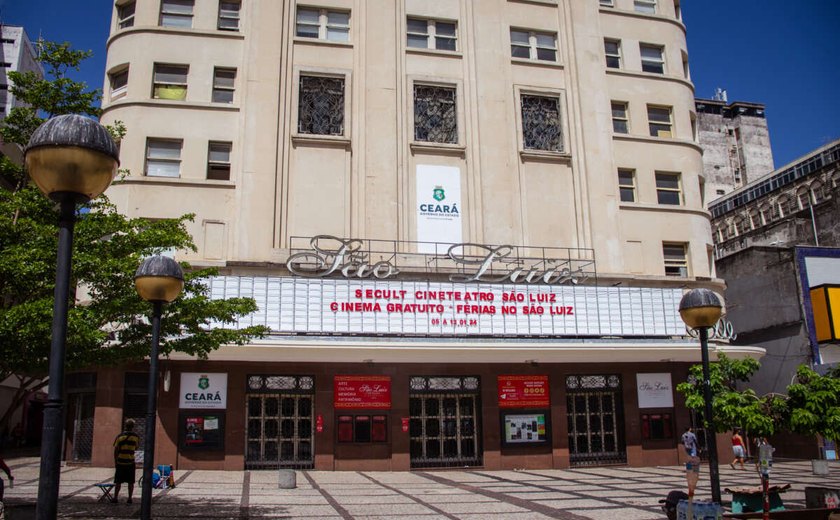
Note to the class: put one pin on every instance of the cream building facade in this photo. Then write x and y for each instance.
(563, 128)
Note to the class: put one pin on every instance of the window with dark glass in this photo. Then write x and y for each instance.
(619, 117)
(431, 34)
(362, 428)
(223, 85)
(176, 13)
(125, 15)
(652, 58)
(668, 190)
(532, 45)
(627, 184)
(229, 15)
(119, 83)
(659, 121)
(612, 51)
(218, 160)
(657, 426)
(541, 124)
(321, 105)
(435, 114)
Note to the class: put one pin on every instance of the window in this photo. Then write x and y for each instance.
(652, 60)
(676, 263)
(541, 124)
(362, 428)
(163, 157)
(645, 6)
(627, 184)
(612, 50)
(432, 34)
(657, 426)
(322, 24)
(229, 15)
(435, 114)
(668, 189)
(125, 15)
(619, 117)
(170, 82)
(719, 192)
(176, 13)
(321, 105)
(606, 3)
(218, 161)
(659, 121)
(223, 80)
(119, 83)
(533, 45)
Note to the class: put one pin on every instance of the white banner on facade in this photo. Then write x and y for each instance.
(655, 390)
(438, 206)
(336, 306)
(203, 390)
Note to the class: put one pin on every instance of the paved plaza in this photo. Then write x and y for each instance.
(605, 493)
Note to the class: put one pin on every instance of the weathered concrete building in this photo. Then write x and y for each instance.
(736, 144)
(774, 241)
(417, 194)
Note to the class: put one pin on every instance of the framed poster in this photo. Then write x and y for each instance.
(655, 390)
(525, 427)
(202, 430)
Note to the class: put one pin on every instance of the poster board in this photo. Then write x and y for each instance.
(526, 428)
(202, 430)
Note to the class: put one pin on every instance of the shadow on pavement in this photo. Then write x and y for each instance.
(84, 507)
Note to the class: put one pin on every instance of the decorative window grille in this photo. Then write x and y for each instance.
(321, 105)
(435, 114)
(594, 409)
(541, 124)
(280, 420)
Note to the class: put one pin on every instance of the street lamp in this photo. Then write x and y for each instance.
(159, 280)
(700, 309)
(72, 159)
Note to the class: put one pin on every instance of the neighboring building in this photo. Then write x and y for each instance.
(777, 245)
(412, 127)
(736, 144)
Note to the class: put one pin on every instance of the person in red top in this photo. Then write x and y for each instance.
(738, 449)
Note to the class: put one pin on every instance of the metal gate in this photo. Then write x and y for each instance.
(595, 415)
(279, 432)
(81, 405)
(444, 423)
(135, 404)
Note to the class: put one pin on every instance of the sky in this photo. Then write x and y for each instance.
(776, 52)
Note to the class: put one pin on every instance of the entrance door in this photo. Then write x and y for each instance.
(594, 410)
(444, 424)
(279, 431)
(82, 406)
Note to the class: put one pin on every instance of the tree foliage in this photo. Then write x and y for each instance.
(813, 405)
(730, 407)
(107, 323)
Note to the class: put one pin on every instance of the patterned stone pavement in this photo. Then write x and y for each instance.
(590, 493)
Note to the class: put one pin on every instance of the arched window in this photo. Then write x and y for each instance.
(764, 214)
(803, 197)
(754, 219)
(817, 194)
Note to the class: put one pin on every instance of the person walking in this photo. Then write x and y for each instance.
(125, 445)
(692, 467)
(738, 449)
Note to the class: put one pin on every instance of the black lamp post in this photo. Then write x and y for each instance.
(701, 309)
(72, 159)
(159, 280)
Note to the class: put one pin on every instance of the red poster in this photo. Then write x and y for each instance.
(319, 423)
(368, 392)
(523, 392)
(405, 424)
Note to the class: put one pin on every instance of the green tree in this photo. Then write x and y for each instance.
(106, 322)
(732, 407)
(813, 404)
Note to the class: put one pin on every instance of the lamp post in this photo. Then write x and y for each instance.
(72, 159)
(701, 309)
(159, 280)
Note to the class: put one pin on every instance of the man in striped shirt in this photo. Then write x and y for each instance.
(125, 445)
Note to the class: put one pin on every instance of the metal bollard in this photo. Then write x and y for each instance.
(287, 479)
